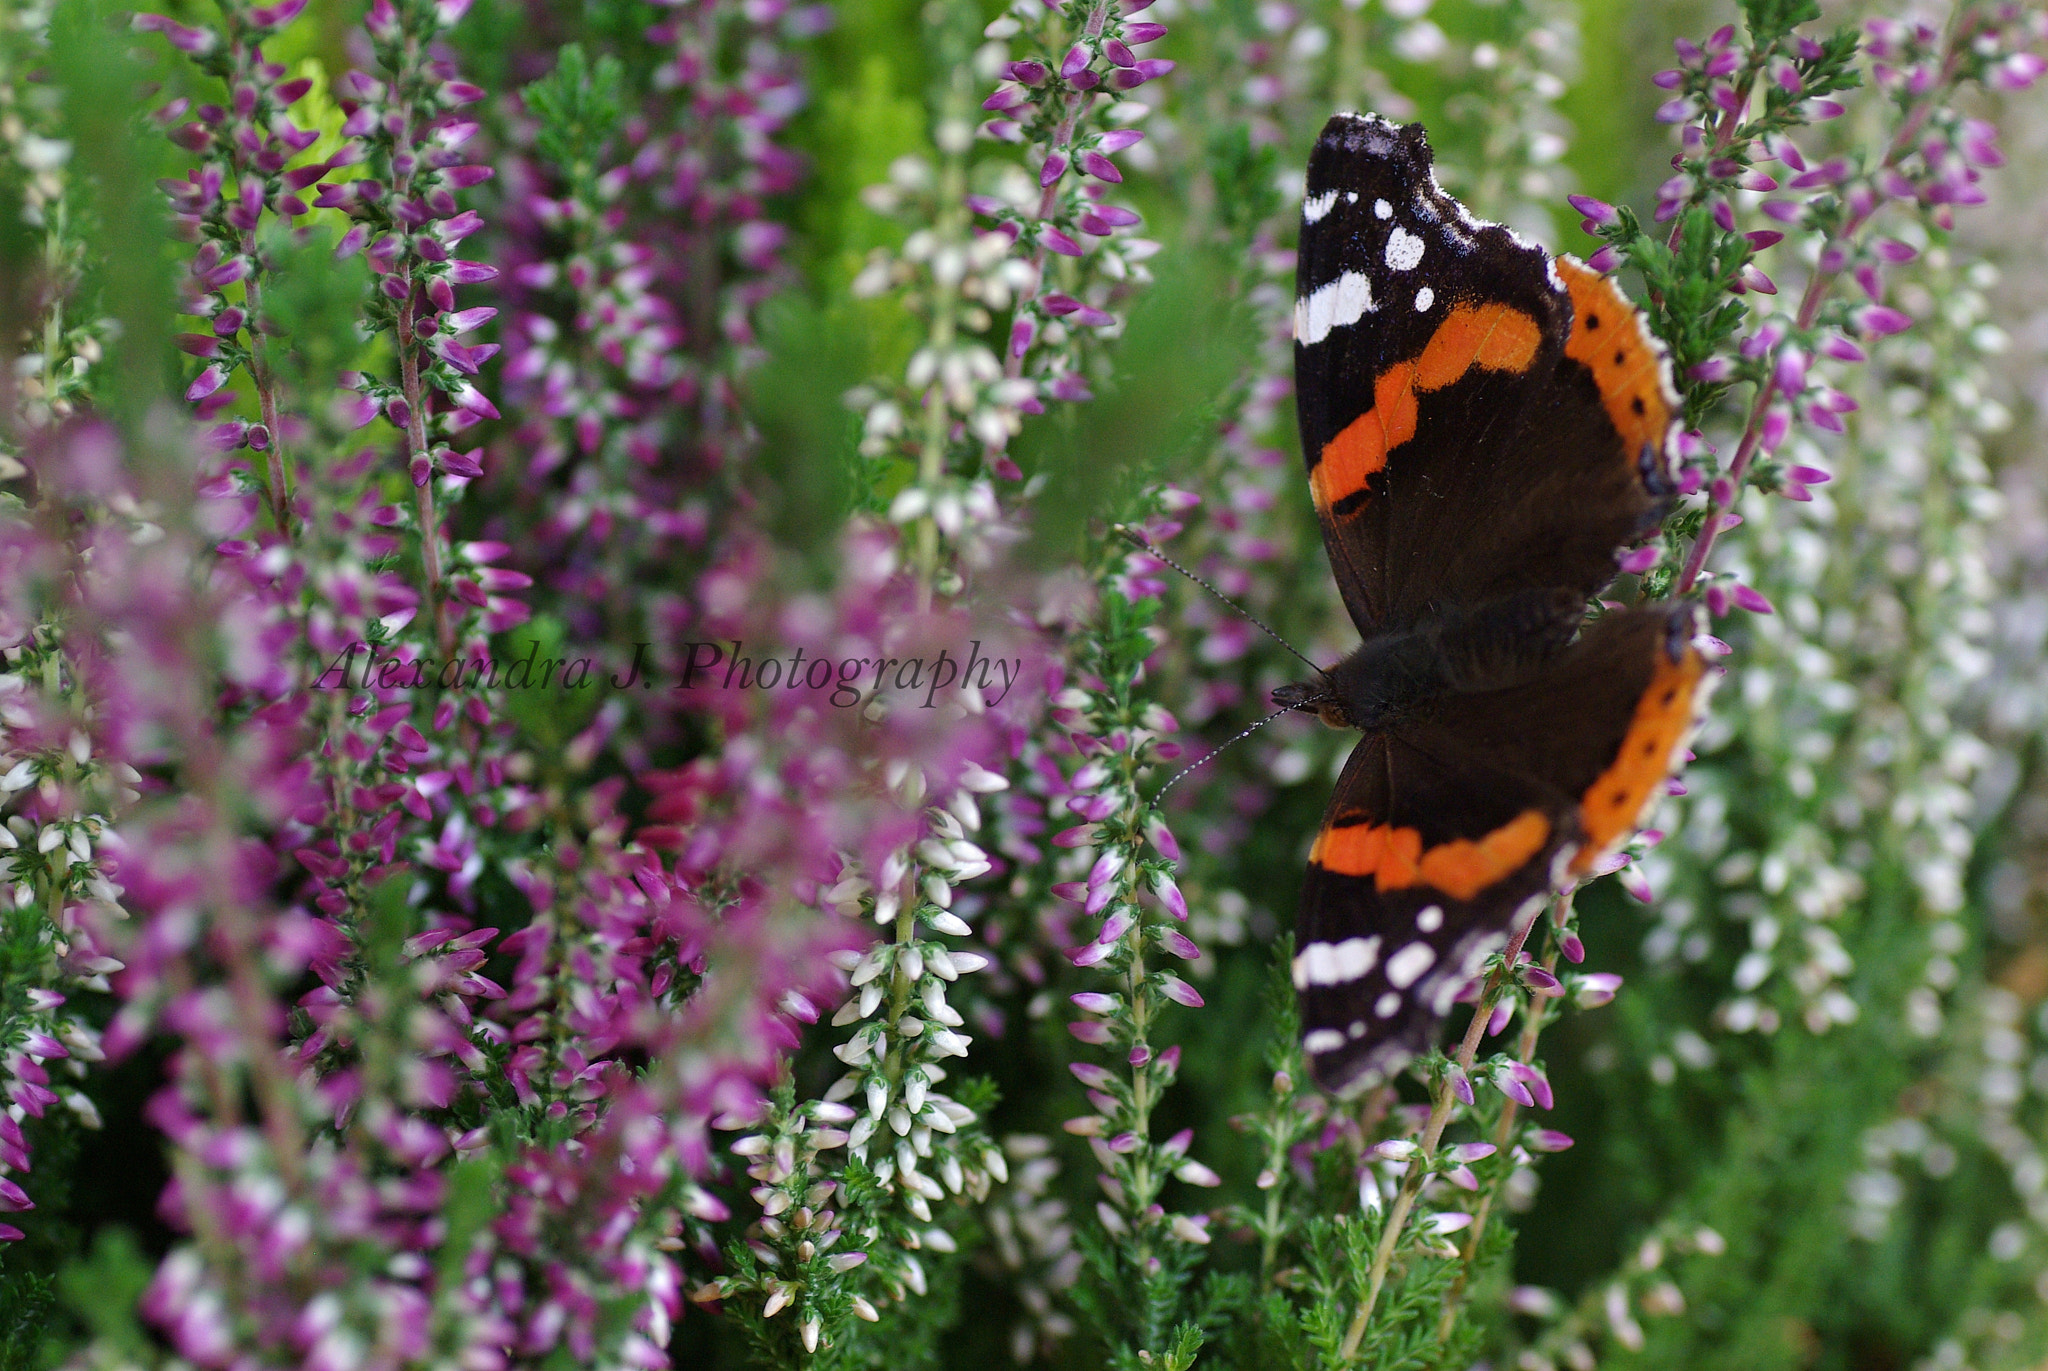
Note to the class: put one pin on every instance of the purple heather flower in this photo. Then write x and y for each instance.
(1596, 212)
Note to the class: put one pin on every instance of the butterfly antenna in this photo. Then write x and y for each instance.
(1208, 756)
(1138, 540)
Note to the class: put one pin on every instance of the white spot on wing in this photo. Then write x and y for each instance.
(1409, 963)
(1316, 206)
(1404, 249)
(1322, 1040)
(1430, 919)
(1382, 210)
(1350, 197)
(1424, 298)
(1357, 1029)
(1342, 302)
(1387, 1004)
(1317, 965)
(1355, 957)
(1335, 963)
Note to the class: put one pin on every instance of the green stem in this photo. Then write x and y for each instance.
(1442, 1102)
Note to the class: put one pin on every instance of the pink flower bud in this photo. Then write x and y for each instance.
(1882, 320)
(1639, 560)
(1597, 211)
(1100, 167)
(1594, 989)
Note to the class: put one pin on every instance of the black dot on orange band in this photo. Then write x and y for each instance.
(1636, 404)
(1620, 356)
(1592, 321)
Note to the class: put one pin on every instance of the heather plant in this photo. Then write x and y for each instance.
(453, 918)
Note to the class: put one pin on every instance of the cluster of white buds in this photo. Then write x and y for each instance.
(921, 1144)
(1034, 1254)
(1641, 1286)
(52, 375)
(953, 399)
(1517, 82)
(1868, 687)
(798, 1238)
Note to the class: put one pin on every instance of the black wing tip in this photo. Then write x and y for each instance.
(1353, 134)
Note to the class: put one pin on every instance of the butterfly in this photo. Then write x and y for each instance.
(1486, 428)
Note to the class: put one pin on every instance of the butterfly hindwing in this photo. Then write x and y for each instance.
(1449, 828)
(1426, 856)
(1606, 721)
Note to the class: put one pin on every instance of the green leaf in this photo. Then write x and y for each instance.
(579, 105)
(1770, 20)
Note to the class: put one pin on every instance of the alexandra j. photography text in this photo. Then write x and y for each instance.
(845, 681)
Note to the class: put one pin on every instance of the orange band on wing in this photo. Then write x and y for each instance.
(1608, 338)
(1494, 337)
(1350, 458)
(1461, 868)
(1613, 805)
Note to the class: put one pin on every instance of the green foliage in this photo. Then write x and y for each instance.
(1182, 350)
(579, 105)
(554, 688)
(102, 1291)
(811, 475)
(1770, 21)
(99, 80)
(27, 1300)
(313, 297)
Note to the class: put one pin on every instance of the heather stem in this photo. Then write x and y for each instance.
(1442, 1102)
(1525, 1052)
(1817, 287)
(275, 479)
(417, 459)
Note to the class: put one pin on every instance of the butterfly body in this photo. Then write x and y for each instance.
(1485, 428)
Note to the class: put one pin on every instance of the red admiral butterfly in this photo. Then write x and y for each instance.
(1485, 427)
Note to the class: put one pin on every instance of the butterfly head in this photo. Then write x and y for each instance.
(1317, 698)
